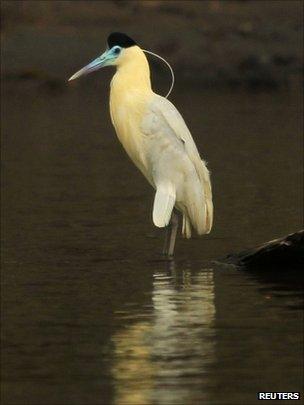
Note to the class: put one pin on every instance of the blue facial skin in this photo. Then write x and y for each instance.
(116, 50)
(106, 59)
(116, 42)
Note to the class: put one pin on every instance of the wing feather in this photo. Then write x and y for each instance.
(163, 108)
(164, 202)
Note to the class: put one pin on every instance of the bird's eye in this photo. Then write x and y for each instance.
(116, 51)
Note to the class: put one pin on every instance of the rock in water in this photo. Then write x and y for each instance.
(283, 253)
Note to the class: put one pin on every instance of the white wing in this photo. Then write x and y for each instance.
(163, 204)
(179, 173)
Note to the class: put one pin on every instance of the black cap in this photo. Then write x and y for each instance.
(117, 38)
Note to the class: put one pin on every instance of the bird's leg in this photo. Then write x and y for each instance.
(166, 241)
(174, 226)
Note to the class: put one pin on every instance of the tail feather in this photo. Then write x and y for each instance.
(208, 197)
(186, 230)
(200, 211)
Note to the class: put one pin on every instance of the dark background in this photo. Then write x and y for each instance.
(250, 43)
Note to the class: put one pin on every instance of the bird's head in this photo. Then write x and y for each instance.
(118, 50)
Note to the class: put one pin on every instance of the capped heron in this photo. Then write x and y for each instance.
(157, 140)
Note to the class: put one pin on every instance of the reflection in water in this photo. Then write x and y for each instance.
(164, 356)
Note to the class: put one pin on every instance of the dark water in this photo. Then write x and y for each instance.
(91, 315)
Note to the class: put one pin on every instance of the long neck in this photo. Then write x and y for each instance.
(133, 73)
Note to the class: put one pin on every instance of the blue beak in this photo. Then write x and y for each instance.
(96, 64)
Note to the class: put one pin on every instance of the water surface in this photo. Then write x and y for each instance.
(91, 314)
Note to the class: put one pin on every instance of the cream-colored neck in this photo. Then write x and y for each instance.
(133, 73)
(129, 97)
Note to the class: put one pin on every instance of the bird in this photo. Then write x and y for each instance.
(157, 140)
